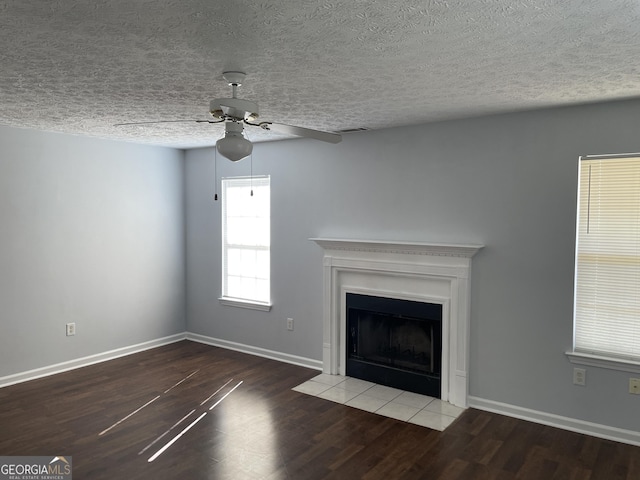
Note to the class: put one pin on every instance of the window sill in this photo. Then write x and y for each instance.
(236, 302)
(601, 361)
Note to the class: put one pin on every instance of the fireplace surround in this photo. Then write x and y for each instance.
(420, 272)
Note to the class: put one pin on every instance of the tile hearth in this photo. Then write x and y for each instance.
(390, 402)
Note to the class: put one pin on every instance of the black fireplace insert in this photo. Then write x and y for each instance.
(395, 342)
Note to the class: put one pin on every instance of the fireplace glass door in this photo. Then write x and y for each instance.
(395, 342)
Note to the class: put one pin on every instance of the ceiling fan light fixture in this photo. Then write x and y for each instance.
(234, 146)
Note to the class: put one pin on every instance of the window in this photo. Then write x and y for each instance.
(246, 241)
(607, 284)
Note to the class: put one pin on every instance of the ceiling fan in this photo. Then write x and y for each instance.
(236, 113)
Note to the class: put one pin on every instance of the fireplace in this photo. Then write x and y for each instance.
(395, 342)
(436, 274)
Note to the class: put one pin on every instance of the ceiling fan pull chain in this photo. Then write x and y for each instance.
(215, 173)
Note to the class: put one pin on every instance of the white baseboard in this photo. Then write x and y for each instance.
(260, 352)
(574, 425)
(90, 360)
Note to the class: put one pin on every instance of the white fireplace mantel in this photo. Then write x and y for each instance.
(425, 272)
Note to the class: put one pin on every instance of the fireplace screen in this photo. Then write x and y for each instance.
(395, 342)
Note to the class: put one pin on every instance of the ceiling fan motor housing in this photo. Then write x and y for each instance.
(234, 108)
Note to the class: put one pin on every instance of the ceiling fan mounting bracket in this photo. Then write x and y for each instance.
(234, 78)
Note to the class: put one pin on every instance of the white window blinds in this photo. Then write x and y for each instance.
(246, 239)
(607, 297)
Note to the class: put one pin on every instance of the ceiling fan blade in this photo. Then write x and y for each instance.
(166, 121)
(302, 132)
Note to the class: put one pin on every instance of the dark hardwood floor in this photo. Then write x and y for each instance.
(264, 430)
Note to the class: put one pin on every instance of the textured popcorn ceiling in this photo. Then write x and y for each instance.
(80, 66)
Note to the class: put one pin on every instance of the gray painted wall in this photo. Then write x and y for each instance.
(506, 181)
(93, 233)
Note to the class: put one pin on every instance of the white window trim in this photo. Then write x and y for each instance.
(237, 302)
(243, 302)
(611, 363)
(599, 360)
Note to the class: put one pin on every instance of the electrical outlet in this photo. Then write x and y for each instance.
(634, 386)
(289, 323)
(71, 329)
(579, 376)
